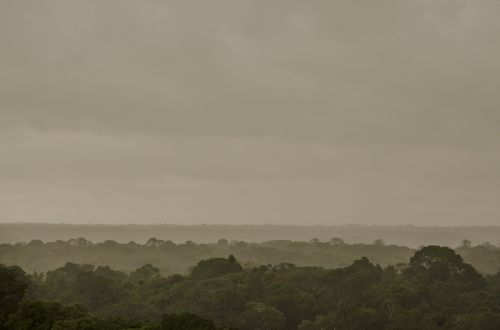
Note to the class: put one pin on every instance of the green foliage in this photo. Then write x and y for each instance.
(216, 267)
(186, 321)
(433, 264)
(259, 316)
(321, 322)
(170, 258)
(51, 315)
(83, 284)
(42, 315)
(13, 284)
(435, 290)
(146, 273)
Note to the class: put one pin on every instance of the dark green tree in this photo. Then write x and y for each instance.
(186, 321)
(42, 315)
(259, 316)
(435, 263)
(13, 285)
(216, 267)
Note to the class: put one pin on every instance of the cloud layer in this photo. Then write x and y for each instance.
(250, 111)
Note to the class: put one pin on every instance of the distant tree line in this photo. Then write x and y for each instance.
(408, 235)
(436, 289)
(172, 258)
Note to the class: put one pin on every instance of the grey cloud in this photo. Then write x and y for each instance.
(345, 71)
(248, 111)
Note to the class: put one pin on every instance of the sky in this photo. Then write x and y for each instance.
(250, 112)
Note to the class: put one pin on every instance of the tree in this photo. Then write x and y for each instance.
(222, 242)
(52, 315)
(216, 267)
(80, 242)
(83, 284)
(41, 315)
(36, 243)
(186, 321)
(145, 274)
(154, 242)
(259, 316)
(13, 285)
(435, 263)
(337, 241)
(321, 322)
(466, 244)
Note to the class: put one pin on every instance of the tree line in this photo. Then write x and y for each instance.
(434, 289)
(172, 258)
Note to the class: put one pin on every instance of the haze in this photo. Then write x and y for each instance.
(250, 112)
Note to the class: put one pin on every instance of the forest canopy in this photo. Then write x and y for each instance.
(177, 258)
(434, 289)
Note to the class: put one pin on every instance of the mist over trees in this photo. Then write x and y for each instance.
(170, 257)
(434, 289)
(407, 235)
(318, 284)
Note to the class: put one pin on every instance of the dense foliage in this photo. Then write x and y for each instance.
(436, 289)
(171, 258)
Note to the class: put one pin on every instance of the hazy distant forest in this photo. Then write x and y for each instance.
(233, 284)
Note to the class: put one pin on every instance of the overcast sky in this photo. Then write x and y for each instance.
(286, 112)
